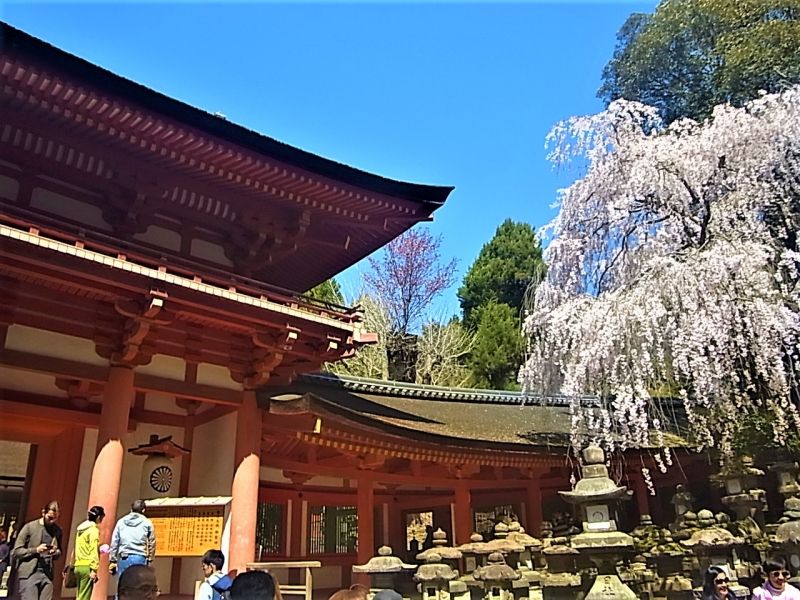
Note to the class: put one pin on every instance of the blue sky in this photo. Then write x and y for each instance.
(447, 93)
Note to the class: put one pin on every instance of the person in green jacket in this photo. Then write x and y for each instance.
(87, 552)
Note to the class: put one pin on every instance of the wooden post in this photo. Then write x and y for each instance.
(462, 514)
(366, 527)
(533, 508)
(247, 465)
(107, 470)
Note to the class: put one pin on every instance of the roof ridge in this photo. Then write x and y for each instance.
(424, 391)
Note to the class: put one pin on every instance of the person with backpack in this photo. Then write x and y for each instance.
(217, 584)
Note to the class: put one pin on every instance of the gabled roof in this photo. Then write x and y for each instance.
(19, 42)
(277, 214)
(497, 420)
(457, 417)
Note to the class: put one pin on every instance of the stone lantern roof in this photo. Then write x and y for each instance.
(435, 570)
(496, 569)
(383, 563)
(596, 485)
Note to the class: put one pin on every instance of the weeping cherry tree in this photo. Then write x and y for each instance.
(673, 267)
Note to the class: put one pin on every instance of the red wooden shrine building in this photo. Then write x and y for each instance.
(151, 256)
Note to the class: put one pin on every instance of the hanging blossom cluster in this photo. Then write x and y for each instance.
(673, 271)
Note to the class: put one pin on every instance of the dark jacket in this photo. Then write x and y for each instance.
(28, 560)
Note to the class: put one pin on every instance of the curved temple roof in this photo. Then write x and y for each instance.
(19, 42)
(455, 416)
(277, 214)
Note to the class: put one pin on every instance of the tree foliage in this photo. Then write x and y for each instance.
(407, 276)
(440, 357)
(503, 270)
(443, 352)
(497, 351)
(370, 360)
(664, 269)
(327, 291)
(691, 55)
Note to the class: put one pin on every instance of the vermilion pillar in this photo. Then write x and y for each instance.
(107, 471)
(641, 493)
(533, 508)
(247, 464)
(366, 527)
(462, 514)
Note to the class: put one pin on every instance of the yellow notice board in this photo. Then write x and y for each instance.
(186, 530)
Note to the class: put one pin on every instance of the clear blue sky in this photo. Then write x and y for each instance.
(458, 94)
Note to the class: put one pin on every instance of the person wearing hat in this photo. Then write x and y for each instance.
(87, 552)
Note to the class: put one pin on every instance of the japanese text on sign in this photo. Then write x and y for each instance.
(186, 531)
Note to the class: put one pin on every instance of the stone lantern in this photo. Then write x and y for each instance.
(157, 471)
(532, 548)
(717, 546)
(787, 535)
(560, 581)
(447, 554)
(505, 545)
(437, 580)
(474, 552)
(385, 570)
(786, 473)
(499, 580)
(595, 496)
(743, 494)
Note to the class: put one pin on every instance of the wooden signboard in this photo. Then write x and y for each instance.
(186, 530)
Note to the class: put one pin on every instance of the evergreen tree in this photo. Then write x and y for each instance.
(327, 291)
(503, 270)
(497, 350)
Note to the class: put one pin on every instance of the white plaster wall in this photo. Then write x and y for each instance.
(169, 367)
(212, 457)
(14, 457)
(211, 475)
(29, 381)
(68, 207)
(55, 345)
(210, 251)
(208, 374)
(9, 188)
(162, 403)
(158, 236)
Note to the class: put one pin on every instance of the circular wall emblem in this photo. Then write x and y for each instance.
(161, 479)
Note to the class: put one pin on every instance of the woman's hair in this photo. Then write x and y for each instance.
(96, 512)
(354, 593)
(709, 588)
(773, 563)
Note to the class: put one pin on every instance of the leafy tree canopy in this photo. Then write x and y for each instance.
(327, 291)
(502, 271)
(497, 350)
(693, 54)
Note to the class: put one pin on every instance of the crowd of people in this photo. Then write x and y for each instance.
(39, 545)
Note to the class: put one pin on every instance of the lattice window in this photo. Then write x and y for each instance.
(333, 530)
(269, 528)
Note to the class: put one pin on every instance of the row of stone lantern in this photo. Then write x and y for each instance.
(598, 561)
